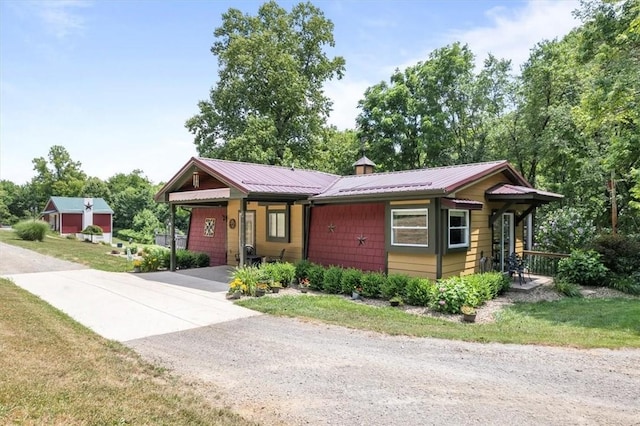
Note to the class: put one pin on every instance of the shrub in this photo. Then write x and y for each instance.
(566, 288)
(582, 268)
(154, 259)
(280, 272)
(619, 253)
(487, 286)
(185, 259)
(394, 285)
(629, 284)
(245, 279)
(315, 274)
(450, 294)
(302, 268)
(332, 280)
(372, 282)
(138, 237)
(92, 230)
(563, 230)
(351, 281)
(31, 230)
(418, 291)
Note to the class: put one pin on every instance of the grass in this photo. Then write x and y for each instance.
(55, 371)
(95, 256)
(581, 323)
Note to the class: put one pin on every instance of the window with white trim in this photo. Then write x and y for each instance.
(458, 228)
(278, 225)
(410, 227)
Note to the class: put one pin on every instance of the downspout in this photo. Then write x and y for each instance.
(172, 263)
(438, 238)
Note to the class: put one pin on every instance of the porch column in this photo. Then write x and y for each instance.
(242, 230)
(172, 226)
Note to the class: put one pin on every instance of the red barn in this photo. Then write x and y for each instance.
(70, 215)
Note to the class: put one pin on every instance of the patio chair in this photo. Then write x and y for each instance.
(275, 259)
(516, 265)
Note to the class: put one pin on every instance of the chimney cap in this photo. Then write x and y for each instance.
(364, 161)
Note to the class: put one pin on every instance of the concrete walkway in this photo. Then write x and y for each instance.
(125, 306)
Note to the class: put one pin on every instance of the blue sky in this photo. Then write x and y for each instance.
(114, 81)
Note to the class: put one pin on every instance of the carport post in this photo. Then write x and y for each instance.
(243, 227)
(172, 262)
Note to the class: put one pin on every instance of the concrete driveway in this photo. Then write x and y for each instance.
(125, 306)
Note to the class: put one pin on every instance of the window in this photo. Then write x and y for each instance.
(278, 225)
(458, 228)
(410, 227)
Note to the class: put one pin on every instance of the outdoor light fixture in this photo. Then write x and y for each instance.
(196, 179)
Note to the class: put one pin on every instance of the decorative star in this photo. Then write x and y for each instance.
(361, 240)
(88, 206)
(332, 228)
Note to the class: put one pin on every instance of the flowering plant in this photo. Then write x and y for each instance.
(137, 263)
(237, 285)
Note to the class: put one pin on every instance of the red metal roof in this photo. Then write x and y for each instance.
(437, 180)
(262, 178)
(508, 190)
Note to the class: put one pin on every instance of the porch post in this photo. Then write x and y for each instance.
(172, 262)
(242, 230)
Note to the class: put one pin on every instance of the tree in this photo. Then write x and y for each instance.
(337, 151)
(57, 176)
(435, 113)
(268, 105)
(96, 188)
(130, 193)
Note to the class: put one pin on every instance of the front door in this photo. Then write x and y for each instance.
(503, 240)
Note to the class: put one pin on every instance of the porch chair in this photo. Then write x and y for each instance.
(275, 259)
(516, 265)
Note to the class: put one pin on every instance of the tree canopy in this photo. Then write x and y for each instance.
(268, 105)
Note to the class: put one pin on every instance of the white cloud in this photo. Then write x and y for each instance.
(60, 18)
(513, 33)
(345, 95)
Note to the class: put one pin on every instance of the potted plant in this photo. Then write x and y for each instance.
(395, 301)
(137, 265)
(275, 287)
(304, 285)
(355, 294)
(468, 313)
(261, 289)
(236, 289)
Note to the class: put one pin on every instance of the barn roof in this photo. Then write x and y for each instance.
(75, 205)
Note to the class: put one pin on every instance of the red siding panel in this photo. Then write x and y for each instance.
(342, 247)
(215, 246)
(103, 221)
(71, 223)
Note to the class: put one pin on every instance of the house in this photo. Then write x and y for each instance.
(70, 215)
(435, 222)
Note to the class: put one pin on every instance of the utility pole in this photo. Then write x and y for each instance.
(614, 204)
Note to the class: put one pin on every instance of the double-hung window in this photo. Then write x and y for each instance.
(410, 227)
(458, 228)
(278, 225)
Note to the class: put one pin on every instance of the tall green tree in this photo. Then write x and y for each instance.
(268, 105)
(130, 193)
(58, 175)
(437, 112)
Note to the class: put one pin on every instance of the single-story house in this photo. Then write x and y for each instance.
(70, 215)
(434, 222)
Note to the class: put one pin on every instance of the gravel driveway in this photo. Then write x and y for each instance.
(286, 371)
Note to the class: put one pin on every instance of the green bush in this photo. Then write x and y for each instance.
(185, 259)
(202, 260)
(394, 285)
(92, 230)
(31, 230)
(281, 272)
(566, 288)
(629, 284)
(302, 268)
(450, 294)
(619, 253)
(315, 273)
(418, 291)
(583, 268)
(154, 258)
(332, 280)
(351, 281)
(138, 237)
(372, 282)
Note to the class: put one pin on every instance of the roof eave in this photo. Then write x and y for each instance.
(389, 196)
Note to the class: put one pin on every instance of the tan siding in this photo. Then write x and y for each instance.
(415, 265)
(409, 202)
(293, 249)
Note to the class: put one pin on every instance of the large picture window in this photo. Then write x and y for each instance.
(458, 228)
(410, 227)
(278, 225)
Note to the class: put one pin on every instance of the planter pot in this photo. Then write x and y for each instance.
(469, 317)
(235, 295)
(394, 303)
(275, 289)
(136, 269)
(303, 289)
(259, 293)
(355, 295)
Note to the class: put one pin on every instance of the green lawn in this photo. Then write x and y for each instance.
(95, 256)
(581, 323)
(55, 371)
